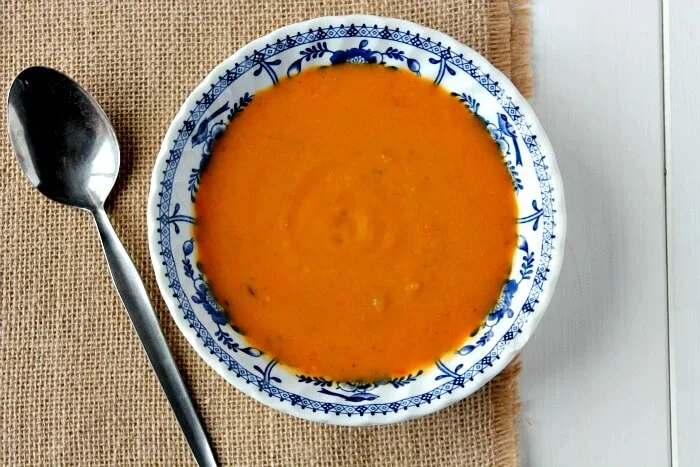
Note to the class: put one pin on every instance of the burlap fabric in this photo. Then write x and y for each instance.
(75, 386)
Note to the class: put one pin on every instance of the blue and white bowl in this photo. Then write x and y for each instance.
(390, 42)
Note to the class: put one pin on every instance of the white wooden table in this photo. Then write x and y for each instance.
(612, 376)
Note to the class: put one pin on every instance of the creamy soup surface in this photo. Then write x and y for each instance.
(356, 222)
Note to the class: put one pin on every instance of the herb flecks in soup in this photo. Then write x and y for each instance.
(356, 221)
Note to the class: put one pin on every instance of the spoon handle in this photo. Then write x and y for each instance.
(135, 299)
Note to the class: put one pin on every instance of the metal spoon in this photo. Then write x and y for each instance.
(69, 152)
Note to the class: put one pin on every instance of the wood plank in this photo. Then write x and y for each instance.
(682, 66)
(595, 385)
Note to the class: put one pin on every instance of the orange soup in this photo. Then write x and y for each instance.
(356, 222)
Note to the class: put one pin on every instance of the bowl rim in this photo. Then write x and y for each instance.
(508, 353)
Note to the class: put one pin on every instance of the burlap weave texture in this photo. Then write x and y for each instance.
(75, 386)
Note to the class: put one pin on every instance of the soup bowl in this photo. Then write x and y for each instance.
(483, 90)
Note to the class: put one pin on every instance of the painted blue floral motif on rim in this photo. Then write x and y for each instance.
(359, 54)
(448, 62)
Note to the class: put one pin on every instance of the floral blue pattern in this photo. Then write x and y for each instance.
(175, 218)
(501, 310)
(534, 217)
(511, 130)
(359, 54)
(357, 391)
(504, 135)
(204, 297)
(208, 135)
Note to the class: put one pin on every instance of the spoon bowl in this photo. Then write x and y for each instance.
(71, 157)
